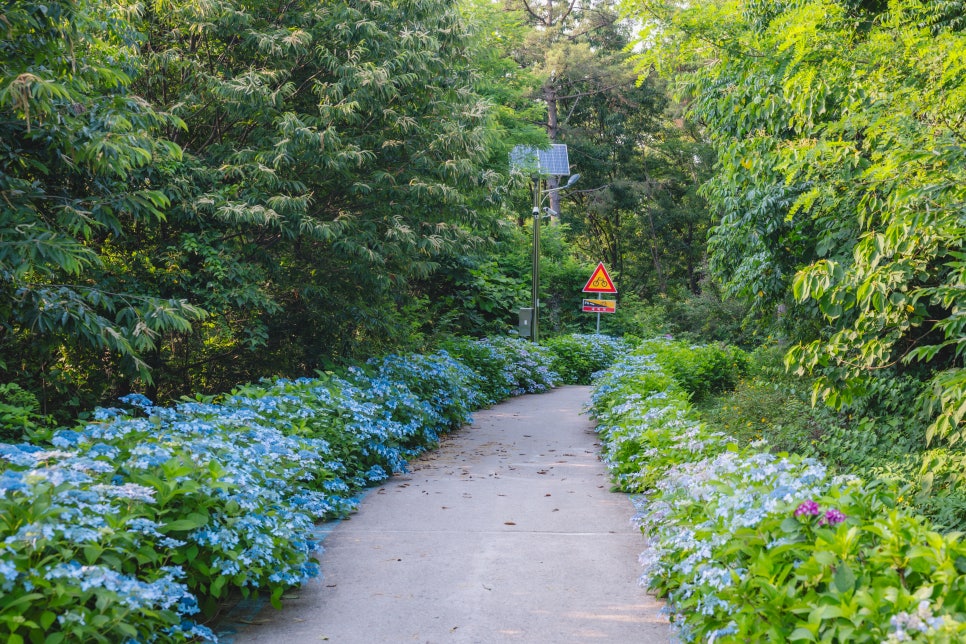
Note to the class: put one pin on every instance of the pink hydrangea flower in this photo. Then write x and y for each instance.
(807, 508)
(832, 517)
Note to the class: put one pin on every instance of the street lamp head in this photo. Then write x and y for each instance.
(570, 181)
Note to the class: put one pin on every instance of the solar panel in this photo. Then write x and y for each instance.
(525, 159)
(555, 160)
(552, 161)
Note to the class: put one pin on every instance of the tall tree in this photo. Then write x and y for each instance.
(574, 50)
(76, 147)
(839, 130)
(671, 225)
(636, 206)
(332, 152)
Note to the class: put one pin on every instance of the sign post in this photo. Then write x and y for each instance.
(600, 282)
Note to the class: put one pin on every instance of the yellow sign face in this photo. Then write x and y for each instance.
(600, 281)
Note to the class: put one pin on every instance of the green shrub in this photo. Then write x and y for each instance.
(506, 366)
(488, 363)
(637, 318)
(647, 430)
(881, 436)
(19, 413)
(439, 379)
(707, 317)
(576, 357)
(769, 404)
(701, 370)
(122, 528)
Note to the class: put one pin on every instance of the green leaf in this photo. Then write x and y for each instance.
(12, 601)
(92, 553)
(46, 619)
(844, 578)
(790, 524)
(825, 557)
(127, 629)
(217, 586)
(191, 522)
(276, 597)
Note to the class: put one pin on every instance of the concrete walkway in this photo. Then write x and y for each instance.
(507, 533)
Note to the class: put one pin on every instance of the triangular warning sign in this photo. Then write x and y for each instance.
(600, 281)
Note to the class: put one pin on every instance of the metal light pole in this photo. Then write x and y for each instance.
(535, 296)
(539, 163)
(535, 299)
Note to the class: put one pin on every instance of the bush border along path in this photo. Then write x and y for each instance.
(747, 545)
(133, 526)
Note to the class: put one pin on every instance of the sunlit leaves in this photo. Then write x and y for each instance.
(839, 130)
(73, 144)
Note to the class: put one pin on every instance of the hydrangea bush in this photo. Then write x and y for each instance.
(506, 366)
(128, 527)
(576, 357)
(77, 559)
(747, 545)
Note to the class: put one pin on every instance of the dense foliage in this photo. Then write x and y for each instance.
(879, 437)
(198, 194)
(75, 144)
(195, 194)
(636, 207)
(748, 545)
(335, 149)
(127, 525)
(839, 179)
(577, 357)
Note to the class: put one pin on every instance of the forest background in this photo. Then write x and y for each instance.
(201, 193)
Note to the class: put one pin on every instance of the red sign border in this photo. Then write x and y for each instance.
(600, 269)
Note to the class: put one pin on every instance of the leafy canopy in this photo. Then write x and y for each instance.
(840, 179)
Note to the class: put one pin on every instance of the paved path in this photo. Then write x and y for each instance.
(507, 533)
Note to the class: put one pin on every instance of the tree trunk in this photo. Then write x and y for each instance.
(550, 96)
(691, 261)
(656, 256)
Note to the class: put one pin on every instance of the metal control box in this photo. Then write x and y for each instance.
(525, 327)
